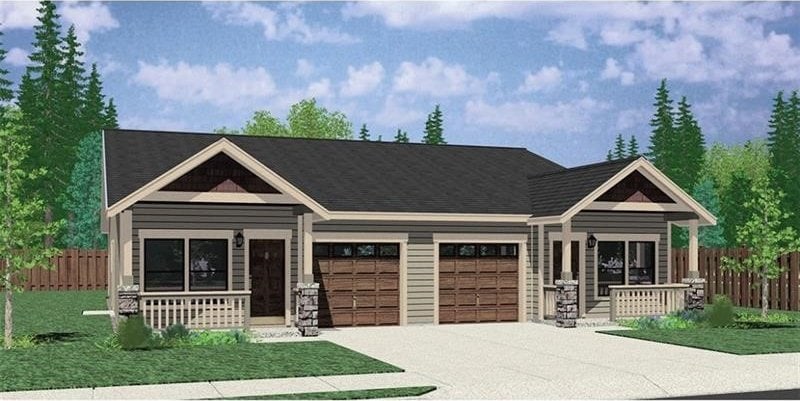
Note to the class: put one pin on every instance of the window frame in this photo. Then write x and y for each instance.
(477, 245)
(627, 238)
(143, 280)
(186, 236)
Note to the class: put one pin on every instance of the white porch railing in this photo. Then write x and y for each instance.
(197, 310)
(549, 301)
(645, 300)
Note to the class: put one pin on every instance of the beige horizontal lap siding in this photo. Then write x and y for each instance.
(420, 252)
(201, 216)
(612, 223)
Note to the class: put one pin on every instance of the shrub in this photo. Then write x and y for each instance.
(208, 337)
(109, 343)
(676, 321)
(24, 342)
(774, 317)
(134, 334)
(175, 334)
(720, 313)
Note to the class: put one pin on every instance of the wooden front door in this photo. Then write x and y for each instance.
(267, 273)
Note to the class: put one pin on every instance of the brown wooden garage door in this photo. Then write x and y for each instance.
(359, 284)
(478, 283)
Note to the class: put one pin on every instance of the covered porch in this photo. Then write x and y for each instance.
(606, 255)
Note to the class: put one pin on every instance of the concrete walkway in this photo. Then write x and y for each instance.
(221, 389)
(535, 361)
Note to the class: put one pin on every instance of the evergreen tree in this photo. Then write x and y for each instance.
(689, 147)
(93, 112)
(731, 200)
(609, 156)
(619, 148)
(662, 139)
(72, 85)
(364, 133)
(633, 147)
(706, 193)
(41, 102)
(401, 136)
(6, 93)
(83, 197)
(110, 115)
(783, 141)
(434, 131)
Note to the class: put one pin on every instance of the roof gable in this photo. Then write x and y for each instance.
(220, 173)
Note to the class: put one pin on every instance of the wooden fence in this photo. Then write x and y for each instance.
(744, 289)
(74, 269)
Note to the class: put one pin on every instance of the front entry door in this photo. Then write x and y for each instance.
(267, 278)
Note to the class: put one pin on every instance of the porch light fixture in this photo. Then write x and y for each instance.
(591, 241)
(239, 239)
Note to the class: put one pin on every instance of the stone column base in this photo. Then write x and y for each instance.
(695, 296)
(307, 309)
(566, 303)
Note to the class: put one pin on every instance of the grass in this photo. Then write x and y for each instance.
(761, 339)
(345, 395)
(68, 355)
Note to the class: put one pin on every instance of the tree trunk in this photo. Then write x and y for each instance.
(8, 341)
(48, 218)
(764, 295)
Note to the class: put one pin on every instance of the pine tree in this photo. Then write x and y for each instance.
(72, 84)
(706, 193)
(110, 115)
(6, 93)
(689, 147)
(41, 102)
(434, 131)
(364, 133)
(619, 148)
(662, 139)
(401, 136)
(731, 200)
(783, 141)
(93, 113)
(609, 156)
(84, 197)
(633, 147)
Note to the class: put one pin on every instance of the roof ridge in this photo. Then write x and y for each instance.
(626, 160)
(318, 139)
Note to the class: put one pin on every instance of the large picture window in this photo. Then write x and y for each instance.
(614, 264)
(208, 264)
(163, 264)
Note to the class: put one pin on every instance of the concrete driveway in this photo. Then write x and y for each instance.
(528, 360)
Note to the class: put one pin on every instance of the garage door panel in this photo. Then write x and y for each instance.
(364, 266)
(364, 284)
(364, 301)
(388, 301)
(478, 289)
(387, 266)
(342, 266)
(388, 283)
(339, 301)
(387, 317)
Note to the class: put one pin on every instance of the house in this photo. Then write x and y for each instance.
(216, 230)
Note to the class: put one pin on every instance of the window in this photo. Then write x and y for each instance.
(447, 250)
(208, 264)
(466, 250)
(612, 263)
(342, 251)
(321, 250)
(508, 250)
(558, 252)
(163, 264)
(489, 250)
(389, 250)
(365, 250)
(478, 250)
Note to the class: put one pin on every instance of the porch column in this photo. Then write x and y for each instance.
(308, 246)
(695, 294)
(566, 287)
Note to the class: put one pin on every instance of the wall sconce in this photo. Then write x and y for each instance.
(239, 238)
(591, 241)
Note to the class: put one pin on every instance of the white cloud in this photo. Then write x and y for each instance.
(153, 123)
(436, 78)
(87, 18)
(536, 118)
(305, 68)
(614, 71)
(17, 57)
(320, 89)
(220, 85)
(433, 15)
(546, 78)
(569, 33)
(361, 81)
(18, 14)
(633, 119)
(281, 23)
(398, 112)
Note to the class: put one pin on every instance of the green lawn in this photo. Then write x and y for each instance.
(71, 357)
(345, 395)
(779, 338)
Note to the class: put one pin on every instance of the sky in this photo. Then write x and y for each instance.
(561, 79)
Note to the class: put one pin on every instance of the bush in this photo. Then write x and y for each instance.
(175, 334)
(772, 317)
(134, 334)
(208, 337)
(720, 313)
(25, 341)
(109, 343)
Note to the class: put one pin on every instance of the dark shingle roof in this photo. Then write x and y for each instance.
(348, 175)
(552, 194)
